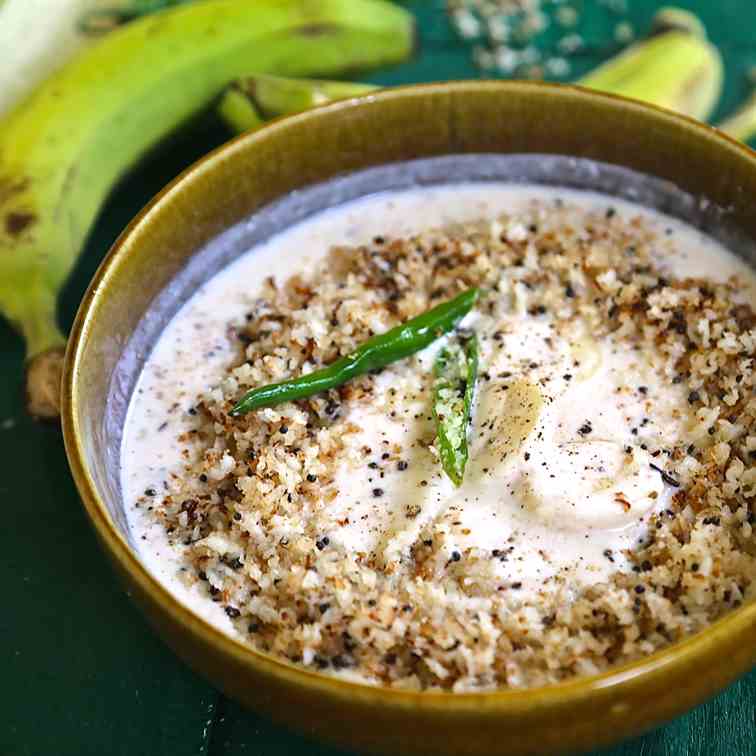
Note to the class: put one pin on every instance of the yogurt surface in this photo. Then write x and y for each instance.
(568, 432)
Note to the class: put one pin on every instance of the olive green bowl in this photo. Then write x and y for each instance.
(259, 183)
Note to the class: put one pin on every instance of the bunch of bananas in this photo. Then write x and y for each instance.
(676, 68)
(63, 148)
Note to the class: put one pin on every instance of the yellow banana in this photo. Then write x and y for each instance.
(676, 68)
(63, 148)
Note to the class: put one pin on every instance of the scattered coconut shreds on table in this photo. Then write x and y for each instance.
(532, 38)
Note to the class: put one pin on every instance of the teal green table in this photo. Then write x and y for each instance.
(80, 672)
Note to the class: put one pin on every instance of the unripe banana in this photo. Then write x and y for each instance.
(676, 68)
(65, 146)
(742, 124)
(247, 103)
(238, 111)
(50, 35)
(52, 32)
(275, 95)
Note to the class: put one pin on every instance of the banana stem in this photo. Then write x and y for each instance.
(742, 124)
(252, 100)
(276, 96)
(44, 376)
(238, 110)
(34, 314)
(677, 19)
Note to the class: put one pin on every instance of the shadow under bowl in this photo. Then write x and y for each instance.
(264, 182)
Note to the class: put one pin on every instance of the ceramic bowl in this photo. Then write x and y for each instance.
(264, 181)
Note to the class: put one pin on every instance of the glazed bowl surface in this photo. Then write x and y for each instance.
(263, 182)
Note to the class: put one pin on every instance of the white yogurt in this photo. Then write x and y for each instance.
(560, 494)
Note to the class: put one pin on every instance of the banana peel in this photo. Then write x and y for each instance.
(64, 147)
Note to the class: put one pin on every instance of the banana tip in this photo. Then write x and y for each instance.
(44, 374)
(677, 19)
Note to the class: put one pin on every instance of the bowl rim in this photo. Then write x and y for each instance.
(621, 678)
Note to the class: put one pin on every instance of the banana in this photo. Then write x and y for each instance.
(50, 35)
(250, 101)
(511, 417)
(247, 103)
(64, 147)
(676, 68)
(239, 111)
(52, 32)
(742, 124)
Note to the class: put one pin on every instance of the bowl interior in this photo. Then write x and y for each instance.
(211, 257)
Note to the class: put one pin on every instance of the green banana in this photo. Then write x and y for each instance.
(742, 124)
(274, 94)
(52, 32)
(238, 110)
(250, 101)
(64, 147)
(49, 33)
(676, 68)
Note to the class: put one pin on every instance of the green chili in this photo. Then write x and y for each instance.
(381, 350)
(456, 372)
